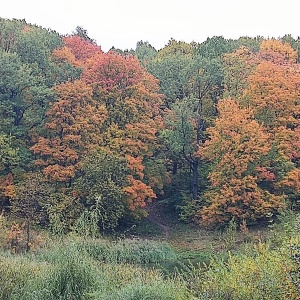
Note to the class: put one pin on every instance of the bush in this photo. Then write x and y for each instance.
(261, 273)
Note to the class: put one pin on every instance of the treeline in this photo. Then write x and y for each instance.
(89, 138)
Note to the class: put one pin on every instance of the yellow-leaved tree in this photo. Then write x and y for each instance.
(274, 94)
(237, 149)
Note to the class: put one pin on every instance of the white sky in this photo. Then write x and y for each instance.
(122, 23)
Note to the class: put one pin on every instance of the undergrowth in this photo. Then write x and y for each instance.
(74, 268)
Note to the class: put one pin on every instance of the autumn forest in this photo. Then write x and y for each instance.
(92, 144)
(92, 137)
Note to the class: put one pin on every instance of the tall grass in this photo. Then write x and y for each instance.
(76, 269)
(72, 272)
(156, 290)
(15, 274)
(127, 251)
(96, 269)
(59, 273)
(129, 282)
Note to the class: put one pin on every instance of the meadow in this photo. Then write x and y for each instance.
(235, 265)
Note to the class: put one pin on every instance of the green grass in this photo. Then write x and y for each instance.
(124, 281)
(145, 228)
(74, 268)
(127, 251)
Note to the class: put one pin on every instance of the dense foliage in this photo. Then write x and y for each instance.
(89, 138)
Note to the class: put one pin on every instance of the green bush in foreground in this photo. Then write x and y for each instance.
(58, 273)
(77, 269)
(258, 272)
(72, 270)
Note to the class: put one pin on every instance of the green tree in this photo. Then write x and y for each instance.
(237, 67)
(24, 100)
(8, 153)
(27, 203)
(9, 159)
(9, 33)
(145, 52)
(101, 184)
(201, 86)
(40, 202)
(83, 33)
(171, 66)
(215, 47)
(35, 45)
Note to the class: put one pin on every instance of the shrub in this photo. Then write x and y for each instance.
(259, 274)
(158, 290)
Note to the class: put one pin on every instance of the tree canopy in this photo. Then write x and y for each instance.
(210, 128)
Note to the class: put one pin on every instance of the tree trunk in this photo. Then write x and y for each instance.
(195, 162)
(27, 236)
(175, 166)
(195, 174)
(18, 117)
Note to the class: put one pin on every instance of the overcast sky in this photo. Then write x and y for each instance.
(122, 23)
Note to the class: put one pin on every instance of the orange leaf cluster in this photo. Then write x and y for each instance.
(74, 126)
(277, 52)
(65, 55)
(240, 198)
(274, 93)
(237, 145)
(7, 187)
(138, 193)
(236, 141)
(82, 49)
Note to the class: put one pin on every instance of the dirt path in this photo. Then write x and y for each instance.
(155, 216)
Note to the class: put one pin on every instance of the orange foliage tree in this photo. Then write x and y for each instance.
(115, 107)
(9, 159)
(73, 126)
(274, 95)
(273, 89)
(237, 147)
(130, 96)
(77, 51)
(81, 48)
